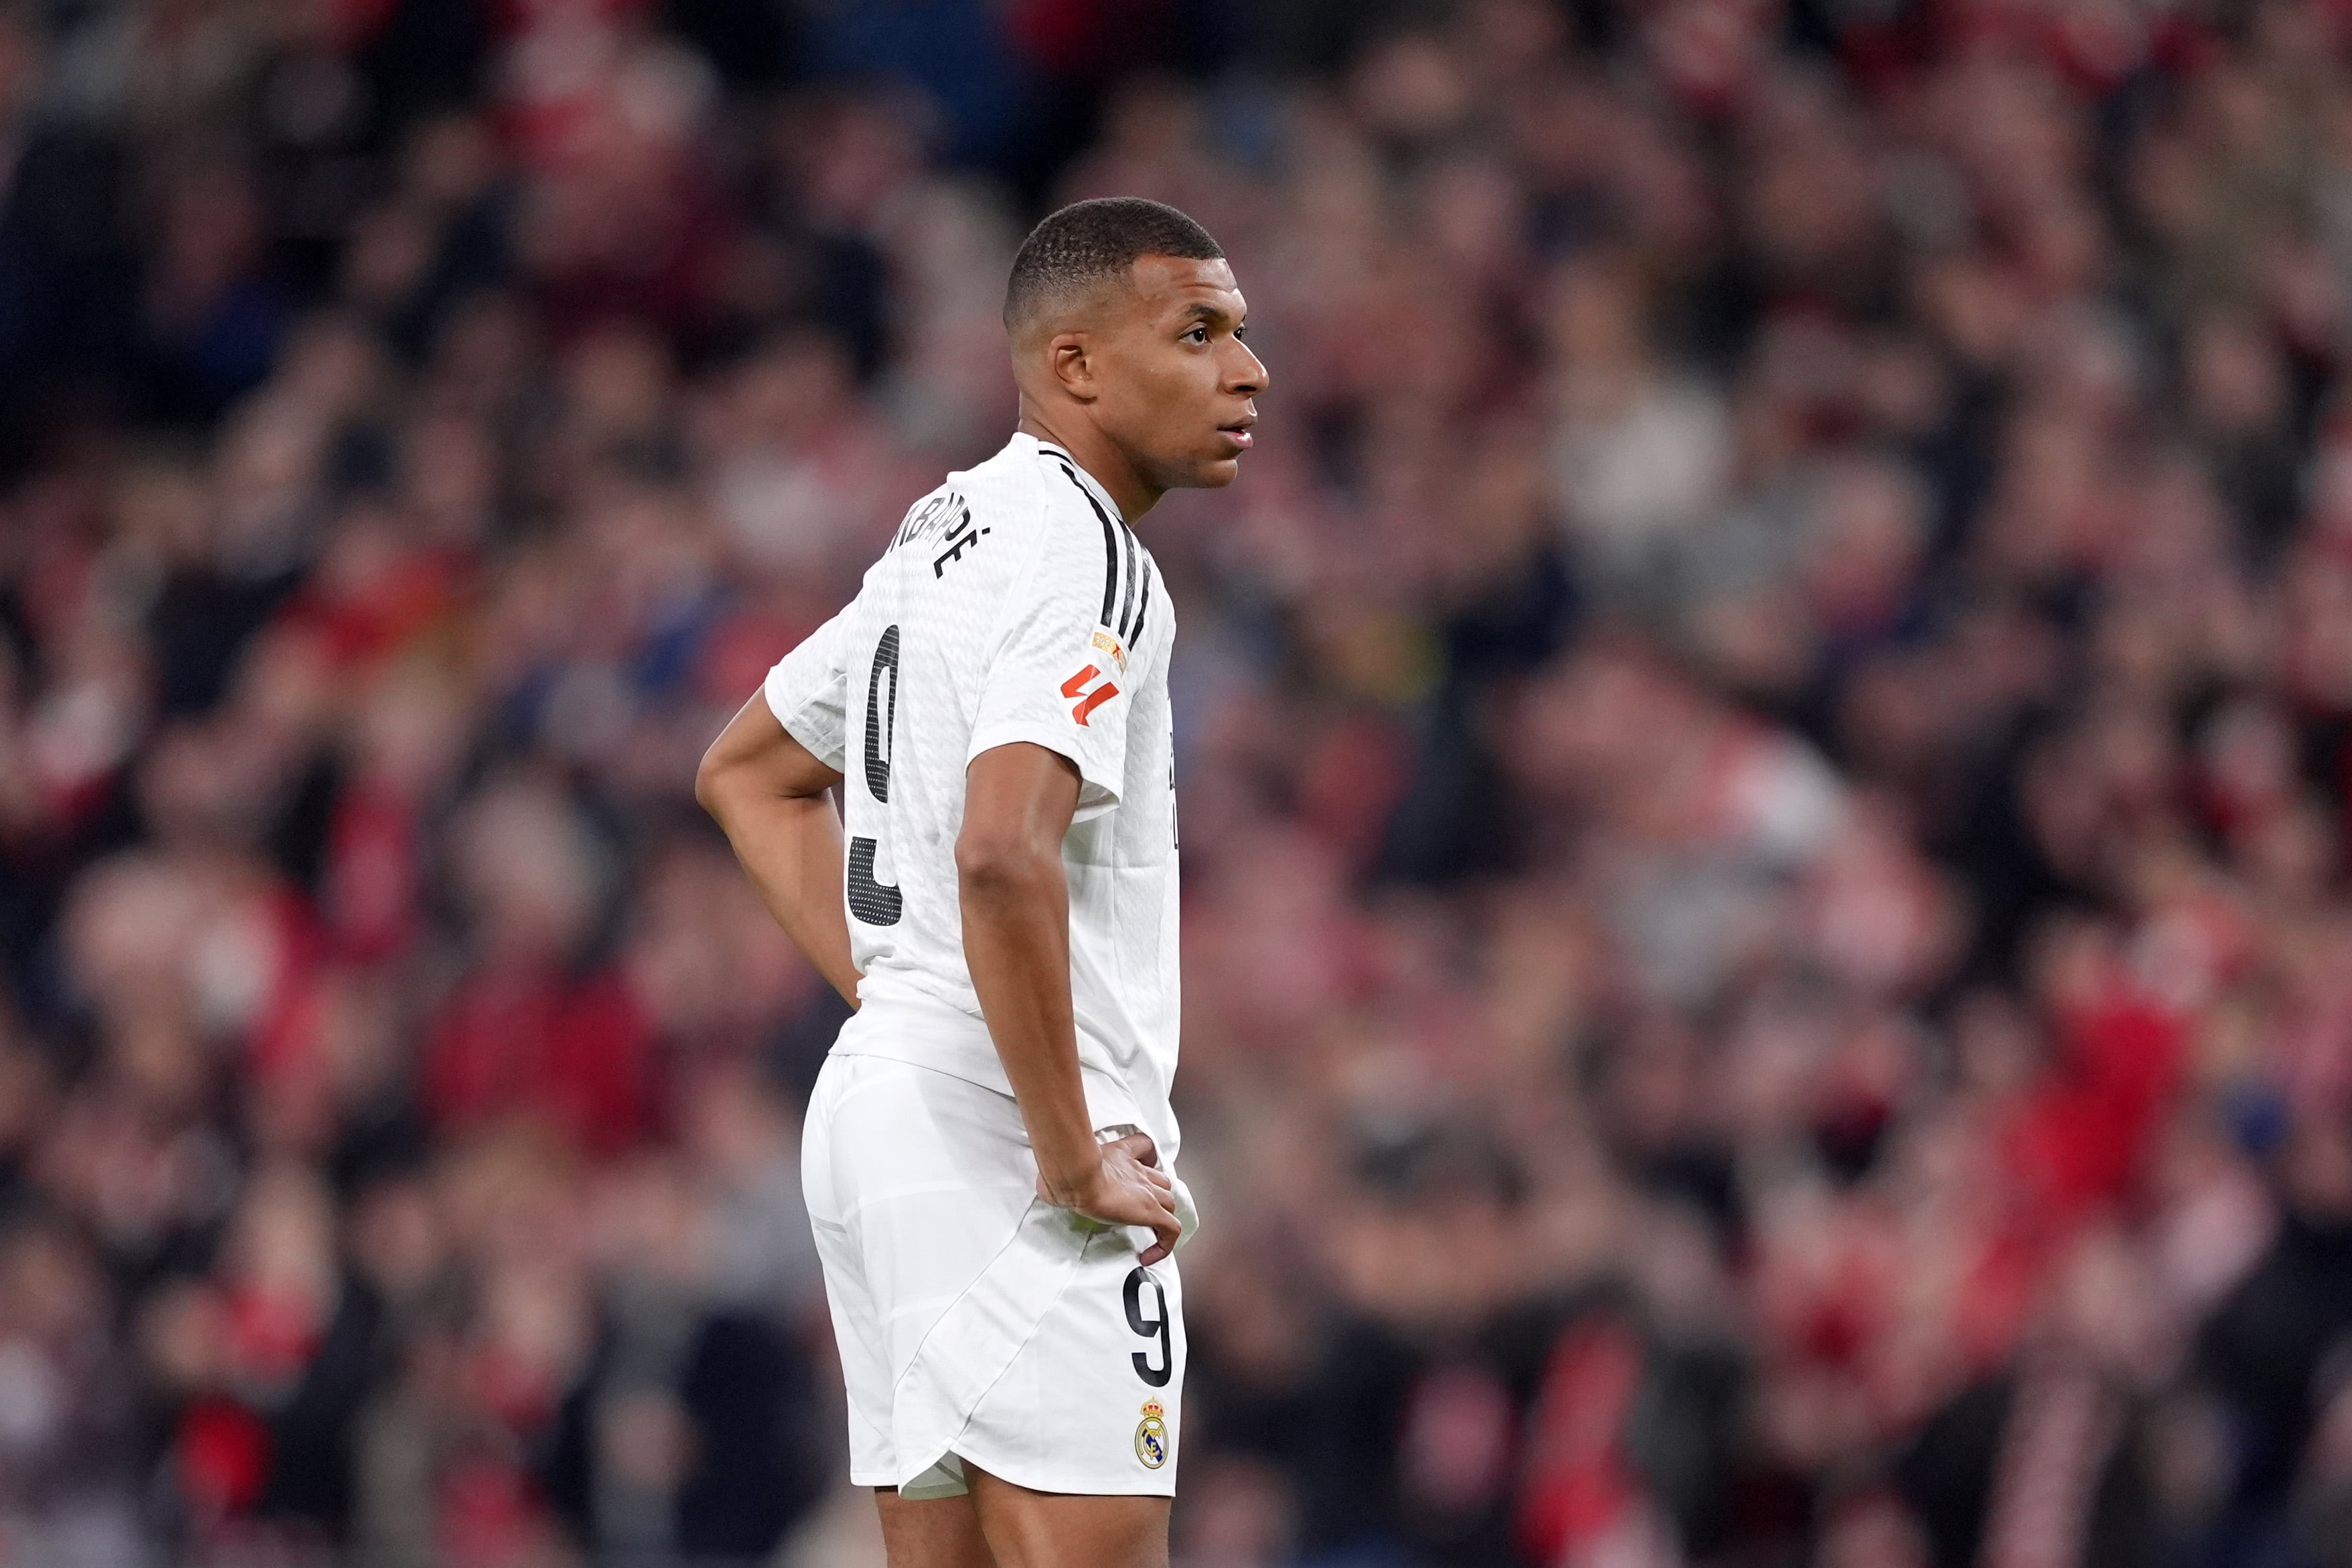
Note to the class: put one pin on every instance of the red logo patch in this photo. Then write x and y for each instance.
(1092, 699)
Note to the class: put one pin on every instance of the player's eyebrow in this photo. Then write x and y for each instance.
(1202, 311)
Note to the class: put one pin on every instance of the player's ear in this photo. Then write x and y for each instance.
(1068, 358)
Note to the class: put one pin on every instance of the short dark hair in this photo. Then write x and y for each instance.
(1087, 242)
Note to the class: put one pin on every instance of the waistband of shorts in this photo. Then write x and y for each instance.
(900, 1023)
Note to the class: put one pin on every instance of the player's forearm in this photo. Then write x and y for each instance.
(789, 845)
(1016, 941)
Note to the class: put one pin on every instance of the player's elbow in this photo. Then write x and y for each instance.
(715, 779)
(993, 865)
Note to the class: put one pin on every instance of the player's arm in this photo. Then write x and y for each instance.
(769, 791)
(1018, 803)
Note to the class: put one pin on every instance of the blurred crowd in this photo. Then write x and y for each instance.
(1764, 748)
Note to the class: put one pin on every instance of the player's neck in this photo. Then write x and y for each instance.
(1100, 457)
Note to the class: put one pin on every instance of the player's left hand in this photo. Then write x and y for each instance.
(1127, 1187)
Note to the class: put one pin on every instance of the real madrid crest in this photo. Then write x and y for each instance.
(1152, 1436)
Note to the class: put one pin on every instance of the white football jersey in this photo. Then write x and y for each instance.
(1012, 604)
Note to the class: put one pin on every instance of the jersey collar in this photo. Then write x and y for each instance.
(1049, 452)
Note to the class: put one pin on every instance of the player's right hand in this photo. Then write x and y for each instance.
(1125, 1187)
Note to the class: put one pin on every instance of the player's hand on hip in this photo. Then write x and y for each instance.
(1124, 1186)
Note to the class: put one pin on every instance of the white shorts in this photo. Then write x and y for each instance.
(976, 1321)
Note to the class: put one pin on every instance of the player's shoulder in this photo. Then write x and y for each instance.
(1006, 491)
(1091, 546)
(947, 526)
(1028, 522)
(1032, 484)
(1053, 511)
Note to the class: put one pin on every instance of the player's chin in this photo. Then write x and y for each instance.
(1214, 473)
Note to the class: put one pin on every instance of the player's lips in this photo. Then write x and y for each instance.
(1239, 431)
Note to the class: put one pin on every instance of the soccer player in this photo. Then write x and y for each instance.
(989, 1154)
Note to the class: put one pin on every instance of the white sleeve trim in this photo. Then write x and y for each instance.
(1097, 792)
(796, 724)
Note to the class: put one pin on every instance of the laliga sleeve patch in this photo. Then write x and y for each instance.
(1091, 700)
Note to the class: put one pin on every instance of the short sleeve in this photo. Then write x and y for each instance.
(1056, 676)
(808, 691)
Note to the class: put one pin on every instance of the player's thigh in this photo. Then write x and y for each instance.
(930, 1175)
(937, 1532)
(1028, 1529)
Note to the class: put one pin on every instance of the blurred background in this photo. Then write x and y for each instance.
(1764, 749)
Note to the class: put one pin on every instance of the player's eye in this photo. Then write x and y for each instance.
(1197, 335)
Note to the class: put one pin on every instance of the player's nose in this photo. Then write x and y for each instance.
(1249, 372)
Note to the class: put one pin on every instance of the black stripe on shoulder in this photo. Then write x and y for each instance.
(1111, 544)
(1126, 599)
(1135, 639)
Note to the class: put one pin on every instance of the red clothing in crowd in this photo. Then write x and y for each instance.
(2078, 1138)
(527, 1039)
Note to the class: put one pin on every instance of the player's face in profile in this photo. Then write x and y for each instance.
(1178, 383)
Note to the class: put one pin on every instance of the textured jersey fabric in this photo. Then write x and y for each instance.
(1012, 605)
